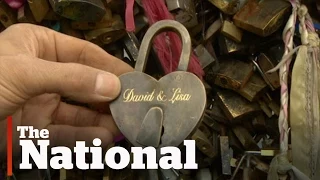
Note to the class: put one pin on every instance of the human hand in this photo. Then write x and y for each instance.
(37, 67)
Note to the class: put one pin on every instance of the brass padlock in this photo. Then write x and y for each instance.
(254, 88)
(204, 56)
(262, 17)
(39, 9)
(105, 36)
(161, 104)
(230, 47)
(7, 15)
(25, 15)
(229, 7)
(184, 12)
(105, 22)
(235, 107)
(79, 10)
(230, 77)
(230, 30)
(263, 64)
(212, 30)
(204, 144)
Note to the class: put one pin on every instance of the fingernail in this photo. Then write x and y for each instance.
(107, 85)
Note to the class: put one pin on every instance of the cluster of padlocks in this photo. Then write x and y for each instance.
(237, 43)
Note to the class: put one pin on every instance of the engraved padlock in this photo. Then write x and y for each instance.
(162, 112)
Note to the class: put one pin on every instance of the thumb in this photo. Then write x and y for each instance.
(24, 77)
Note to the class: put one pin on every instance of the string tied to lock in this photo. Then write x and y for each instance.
(304, 99)
(167, 45)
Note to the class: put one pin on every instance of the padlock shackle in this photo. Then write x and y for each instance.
(157, 28)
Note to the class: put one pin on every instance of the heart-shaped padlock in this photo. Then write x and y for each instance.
(165, 112)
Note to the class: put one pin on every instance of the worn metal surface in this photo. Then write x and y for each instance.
(229, 75)
(262, 17)
(229, 7)
(231, 31)
(173, 93)
(79, 10)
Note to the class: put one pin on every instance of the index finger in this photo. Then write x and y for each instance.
(50, 45)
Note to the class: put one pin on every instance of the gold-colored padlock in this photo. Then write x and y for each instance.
(39, 9)
(184, 12)
(254, 88)
(229, 75)
(204, 56)
(235, 107)
(262, 17)
(263, 65)
(204, 144)
(229, 7)
(230, 30)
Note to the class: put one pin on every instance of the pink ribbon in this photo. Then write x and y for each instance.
(15, 4)
(130, 26)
